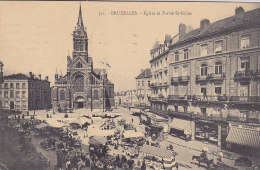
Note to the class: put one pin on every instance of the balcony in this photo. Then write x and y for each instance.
(216, 77)
(202, 78)
(159, 98)
(180, 80)
(245, 75)
(245, 99)
(179, 97)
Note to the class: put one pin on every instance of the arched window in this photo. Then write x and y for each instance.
(79, 65)
(218, 68)
(79, 83)
(204, 70)
(95, 97)
(62, 95)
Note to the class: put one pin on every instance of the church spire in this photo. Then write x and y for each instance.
(80, 24)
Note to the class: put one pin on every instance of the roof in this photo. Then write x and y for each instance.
(17, 76)
(145, 74)
(249, 18)
(80, 24)
(100, 71)
(241, 136)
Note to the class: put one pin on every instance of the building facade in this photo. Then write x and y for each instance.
(143, 81)
(214, 80)
(83, 86)
(22, 93)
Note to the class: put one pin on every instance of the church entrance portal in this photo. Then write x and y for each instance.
(79, 101)
(80, 105)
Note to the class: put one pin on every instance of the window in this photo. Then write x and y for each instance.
(218, 90)
(23, 85)
(203, 91)
(148, 83)
(203, 111)
(17, 94)
(18, 104)
(218, 68)
(79, 83)
(218, 47)
(176, 72)
(6, 94)
(142, 83)
(79, 65)
(138, 83)
(186, 54)
(95, 95)
(166, 62)
(245, 64)
(62, 95)
(6, 85)
(245, 41)
(11, 94)
(177, 56)
(23, 94)
(11, 85)
(244, 90)
(185, 108)
(204, 70)
(204, 50)
(18, 85)
(81, 45)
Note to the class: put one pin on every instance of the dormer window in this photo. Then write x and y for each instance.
(186, 54)
(204, 50)
(219, 47)
(245, 41)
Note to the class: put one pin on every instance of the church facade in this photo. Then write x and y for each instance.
(83, 86)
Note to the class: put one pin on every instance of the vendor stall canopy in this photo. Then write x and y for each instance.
(97, 140)
(133, 134)
(156, 151)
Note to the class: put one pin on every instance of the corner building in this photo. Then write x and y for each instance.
(83, 86)
(214, 81)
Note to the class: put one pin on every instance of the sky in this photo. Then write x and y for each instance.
(36, 36)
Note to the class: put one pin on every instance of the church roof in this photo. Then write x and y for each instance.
(100, 71)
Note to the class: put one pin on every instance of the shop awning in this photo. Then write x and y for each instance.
(241, 136)
(182, 125)
(156, 151)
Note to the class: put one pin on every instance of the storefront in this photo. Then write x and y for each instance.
(206, 131)
(181, 128)
(244, 140)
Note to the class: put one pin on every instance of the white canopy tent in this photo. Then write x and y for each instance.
(133, 134)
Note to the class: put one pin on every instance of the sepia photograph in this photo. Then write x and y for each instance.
(97, 85)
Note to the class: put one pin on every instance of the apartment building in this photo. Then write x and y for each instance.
(143, 81)
(21, 92)
(214, 81)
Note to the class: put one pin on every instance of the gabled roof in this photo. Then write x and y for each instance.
(145, 74)
(249, 18)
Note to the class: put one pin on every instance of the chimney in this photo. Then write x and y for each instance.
(31, 75)
(47, 78)
(239, 12)
(204, 24)
(182, 30)
(40, 76)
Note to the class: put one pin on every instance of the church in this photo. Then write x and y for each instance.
(83, 86)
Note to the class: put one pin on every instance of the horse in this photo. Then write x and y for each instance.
(200, 159)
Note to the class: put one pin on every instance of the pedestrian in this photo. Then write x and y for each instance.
(132, 120)
(34, 112)
(27, 113)
(49, 163)
(221, 155)
(23, 116)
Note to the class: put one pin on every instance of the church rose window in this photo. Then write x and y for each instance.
(79, 83)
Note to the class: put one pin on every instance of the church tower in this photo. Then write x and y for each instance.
(80, 39)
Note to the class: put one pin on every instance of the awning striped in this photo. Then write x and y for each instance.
(242, 136)
(156, 151)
